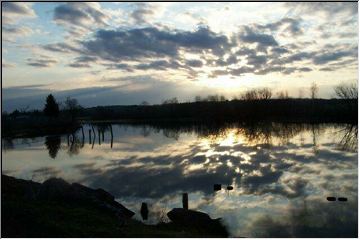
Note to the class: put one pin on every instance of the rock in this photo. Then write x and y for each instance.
(331, 199)
(58, 189)
(28, 189)
(217, 187)
(188, 217)
(144, 211)
(342, 199)
(103, 195)
(199, 221)
(55, 189)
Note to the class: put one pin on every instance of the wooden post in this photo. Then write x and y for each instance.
(144, 211)
(93, 143)
(99, 136)
(102, 132)
(89, 137)
(112, 137)
(185, 201)
(82, 131)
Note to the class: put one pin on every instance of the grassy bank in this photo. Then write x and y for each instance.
(24, 216)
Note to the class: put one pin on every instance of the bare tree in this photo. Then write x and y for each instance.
(346, 91)
(171, 101)
(197, 99)
(264, 93)
(72, 106)
(250, 95)
(314, 90)
(283, 94)
(257, 94)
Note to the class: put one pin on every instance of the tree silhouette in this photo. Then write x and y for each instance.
(72, 106)
(314, 90)
(53, 144)
(51, 106)
(345, 91)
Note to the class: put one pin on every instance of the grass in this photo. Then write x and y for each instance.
(23, 217)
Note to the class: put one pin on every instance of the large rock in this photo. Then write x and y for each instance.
(58, 189)
(189, 217)
(198, 220)
(55, 189)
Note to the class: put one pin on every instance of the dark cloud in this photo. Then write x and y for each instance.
(326, 57)
(194, 63)
(17, 8)
(41, 62)
(21, 31)
(83, 62)
(142, 13)
(249, 35)
(279, 50)
(80, 15)
(135, 44)
(62, 48)
(159, 65)
(257, 60)
(79, 65)
(287, 25)
(329, 8)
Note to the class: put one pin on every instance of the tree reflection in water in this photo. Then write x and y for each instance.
(349, 139)
(253, 134)
(53, 144)
(268, 165)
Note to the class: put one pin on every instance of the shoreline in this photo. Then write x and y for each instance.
(56, 208)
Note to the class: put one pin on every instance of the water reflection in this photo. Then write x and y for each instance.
(314, 218)
(267, 167)
(53, 144)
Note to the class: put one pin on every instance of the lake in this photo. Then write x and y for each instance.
(281, 174)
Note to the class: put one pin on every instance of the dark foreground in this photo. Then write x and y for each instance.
(59, 209)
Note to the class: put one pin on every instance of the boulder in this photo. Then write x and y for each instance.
(55, 189)
(188, 217)
(59, 189)
(201, 222)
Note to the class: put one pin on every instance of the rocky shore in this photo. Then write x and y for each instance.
(56, 208)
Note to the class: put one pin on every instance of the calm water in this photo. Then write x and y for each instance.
(281, 174)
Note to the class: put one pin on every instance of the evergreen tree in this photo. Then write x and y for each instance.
(51, 106)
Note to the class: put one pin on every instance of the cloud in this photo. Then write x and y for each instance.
(78, 16)
(6, 64)
(159, 65)
(42, 62)
(142, 13)
(135, 44)
(329, 8)
(194, 63)
(83, 62)
(326, 57)
(12, 33)
(62, 48)
(250, 35)
(289, 25)
(15, 11)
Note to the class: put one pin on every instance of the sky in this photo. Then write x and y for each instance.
(105, 53)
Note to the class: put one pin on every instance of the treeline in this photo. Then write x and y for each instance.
(290, 110)
(55, 118)
(252, 105)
